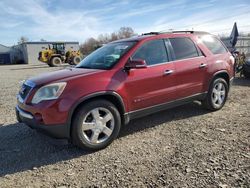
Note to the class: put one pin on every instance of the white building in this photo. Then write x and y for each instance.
(28, 52)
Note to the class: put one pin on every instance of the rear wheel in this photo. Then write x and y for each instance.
(95, 125)
(217, 95)
(55, 62)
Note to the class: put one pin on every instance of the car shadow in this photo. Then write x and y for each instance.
(22, 148)
(241, 81)
(177, 113)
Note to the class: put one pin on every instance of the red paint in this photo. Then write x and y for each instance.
(139, 88)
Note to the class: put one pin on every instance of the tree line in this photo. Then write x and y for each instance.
(92, 44)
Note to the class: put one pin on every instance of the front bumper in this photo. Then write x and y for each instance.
(56, 131)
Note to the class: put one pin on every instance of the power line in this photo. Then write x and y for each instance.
(221, 18)
(213, 20)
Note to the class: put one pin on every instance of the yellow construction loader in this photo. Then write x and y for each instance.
(56, 54)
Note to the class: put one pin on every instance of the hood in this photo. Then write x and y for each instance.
(61, 74)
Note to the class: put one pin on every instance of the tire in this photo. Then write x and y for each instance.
(217, 95)
(55, 62)
(90, 130)
(76, 60)
(50, 64)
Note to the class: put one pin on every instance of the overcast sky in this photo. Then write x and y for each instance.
(76, 20)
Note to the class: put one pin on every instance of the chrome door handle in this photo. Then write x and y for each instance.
(203, 65)
(168, 72)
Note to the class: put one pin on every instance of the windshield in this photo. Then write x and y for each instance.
(106, 56)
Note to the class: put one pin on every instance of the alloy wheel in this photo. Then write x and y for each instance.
(218, 94)
(98, 125)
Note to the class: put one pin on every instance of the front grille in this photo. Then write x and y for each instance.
(24, 91)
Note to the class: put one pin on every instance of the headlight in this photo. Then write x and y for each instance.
(48, 92)
(21, 84)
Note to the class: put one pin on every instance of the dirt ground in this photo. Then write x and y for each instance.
(182, 147)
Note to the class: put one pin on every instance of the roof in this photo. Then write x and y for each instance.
(166, 34)
(4, 49)
(174, 32)
(3, 46)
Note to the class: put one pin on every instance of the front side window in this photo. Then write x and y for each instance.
(153, 52)
(184, 48)
(213, 44)
(106, 56)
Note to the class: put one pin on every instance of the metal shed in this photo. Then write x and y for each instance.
(4, 54)
(10, 55)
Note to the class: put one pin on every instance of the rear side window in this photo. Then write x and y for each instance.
(213, 44)
(153, 52)
(183, 48)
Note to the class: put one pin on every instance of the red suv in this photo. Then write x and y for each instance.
(127, 79)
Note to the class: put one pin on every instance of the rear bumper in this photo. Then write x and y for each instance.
(56, 131)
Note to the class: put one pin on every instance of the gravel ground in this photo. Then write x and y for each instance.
(182, 147)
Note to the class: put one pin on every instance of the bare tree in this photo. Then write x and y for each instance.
(89, 45)
(92, 44)
(125, 32)
(104, 38)
(114, 36)
(23, 39)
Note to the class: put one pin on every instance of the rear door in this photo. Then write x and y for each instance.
(152, 85)
(190, 66)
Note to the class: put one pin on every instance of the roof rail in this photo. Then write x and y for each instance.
(151, 33)
(183, 31)
(191, 31)
(188, 31)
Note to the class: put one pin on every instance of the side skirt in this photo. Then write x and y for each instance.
(156, 108)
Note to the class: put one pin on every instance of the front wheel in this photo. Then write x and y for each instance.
(76, 60)
(95, 125)
(217, 95)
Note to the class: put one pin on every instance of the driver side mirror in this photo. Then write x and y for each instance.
(136, 64)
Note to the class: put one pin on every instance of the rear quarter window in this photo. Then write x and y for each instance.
(184, 48)
(213, 44)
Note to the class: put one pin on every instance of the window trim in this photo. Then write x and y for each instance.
(170, 51)
(161, 39)
(169, 48)
(173, 53)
